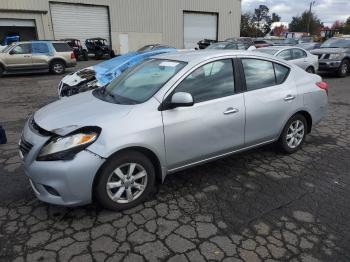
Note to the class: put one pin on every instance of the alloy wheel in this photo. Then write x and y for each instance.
(295, 134)
(345, 69)
(127, 183)
(58, 68)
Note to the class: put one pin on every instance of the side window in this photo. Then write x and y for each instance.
(40, 48)
(286, 55)
(62, 47)
(208, 82)
(258, 73)
(281, 73)
(298, 53)
(22, 49)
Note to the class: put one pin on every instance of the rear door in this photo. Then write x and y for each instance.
(300, 58)
(214, 125)
(41, 54)
(20, 57)
(270, 99)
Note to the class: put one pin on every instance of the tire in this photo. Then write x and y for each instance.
(112, 54)
(344, 69)
(98, 55)
(310, 70)
(85, 56)
(108, 175)
(290, 142)
(57, 67)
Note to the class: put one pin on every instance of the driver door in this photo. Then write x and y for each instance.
(214, 125)
(20, 57)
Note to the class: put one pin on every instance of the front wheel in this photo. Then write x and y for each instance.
(125, 181)
(293, 135)
(344, 69)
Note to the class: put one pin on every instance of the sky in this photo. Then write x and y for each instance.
(327, 10)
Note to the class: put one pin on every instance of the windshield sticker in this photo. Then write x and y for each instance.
(169, 64)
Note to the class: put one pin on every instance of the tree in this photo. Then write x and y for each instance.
(300, 23)
(275, 18)
(262, 19)
(248, 28)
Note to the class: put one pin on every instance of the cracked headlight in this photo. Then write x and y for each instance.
(336, 56)
(66, 147)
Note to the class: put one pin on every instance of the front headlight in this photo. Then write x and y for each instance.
(66, 147)
(336, 56)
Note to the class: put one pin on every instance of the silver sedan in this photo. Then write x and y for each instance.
(171, 112)
(295, 55)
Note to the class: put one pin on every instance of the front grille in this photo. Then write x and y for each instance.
(24, 147)
(37, 129)
(320, 56)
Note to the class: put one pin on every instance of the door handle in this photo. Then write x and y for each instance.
(231, 110)
(289, 98)
(26, 56)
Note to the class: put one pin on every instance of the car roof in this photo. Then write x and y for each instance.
(203, 55)
(279, 48)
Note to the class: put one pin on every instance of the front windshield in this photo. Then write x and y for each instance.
(7, 48)
(336, 43)
(267, 51)
(142, 82)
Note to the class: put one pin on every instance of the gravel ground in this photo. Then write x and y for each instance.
(254, 206)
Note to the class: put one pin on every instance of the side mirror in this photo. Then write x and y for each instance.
(181, 99)
(11, 52)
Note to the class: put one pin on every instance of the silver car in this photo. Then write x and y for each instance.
(171, 112)
(295, 55)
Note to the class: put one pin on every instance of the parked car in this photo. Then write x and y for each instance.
(309, 46)
(334, 56)
(227, 45)
(247, 41)
(36, 56)
(305, 39)
(168, 113)
(103, 73)
(99, 47)
(295, 55)
(203, 44)
(259, 43)
(154, 47)
(78, 49)
(283, 41)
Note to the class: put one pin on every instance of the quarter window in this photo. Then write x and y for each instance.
(281, 73)
(208, 82)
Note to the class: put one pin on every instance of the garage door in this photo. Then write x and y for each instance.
(199, 26)
(79, 21)
(25, 28)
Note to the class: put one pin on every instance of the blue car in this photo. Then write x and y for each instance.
(102, 74)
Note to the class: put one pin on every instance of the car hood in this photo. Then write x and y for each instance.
(106, 71)
(78, 111)
(328, 51)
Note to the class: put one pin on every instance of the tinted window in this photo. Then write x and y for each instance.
(298, 53)
(22, 49)
(41, 48)
(62, 47)
(281, 73)
(258, 73)
(140, 83)
(286, 55)
(211, 81)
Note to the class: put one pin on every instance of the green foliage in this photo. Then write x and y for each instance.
(300, 23)
(257, 24)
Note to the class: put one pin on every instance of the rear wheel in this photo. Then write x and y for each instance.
(293, 135)
(344, 69)
(57, 67)
(112, 54)
(125, 181)
(310, 70)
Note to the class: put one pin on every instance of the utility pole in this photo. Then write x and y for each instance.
(312, 3)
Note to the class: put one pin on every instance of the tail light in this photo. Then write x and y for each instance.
(72, 56)
(323, 85)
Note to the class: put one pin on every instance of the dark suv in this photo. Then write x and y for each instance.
(334, 56)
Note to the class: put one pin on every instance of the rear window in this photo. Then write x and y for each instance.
(62, 47)
(267, 51)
